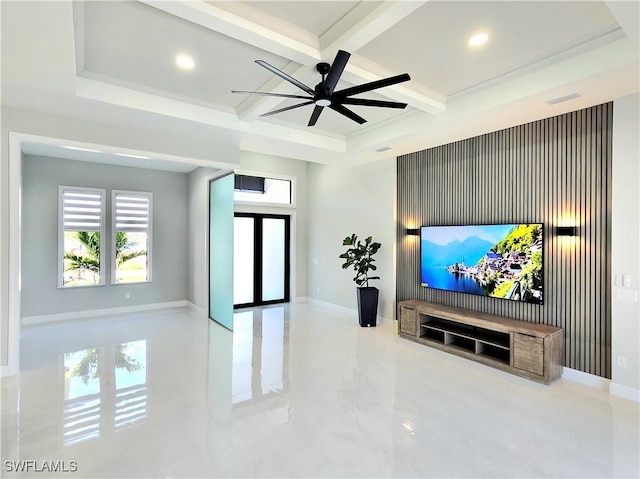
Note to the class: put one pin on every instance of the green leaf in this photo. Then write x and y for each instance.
(359, 257)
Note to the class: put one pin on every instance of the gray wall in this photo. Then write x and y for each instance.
(555, 171)
(160, 135)
(343, 201)
(41, 178)
(197, 282)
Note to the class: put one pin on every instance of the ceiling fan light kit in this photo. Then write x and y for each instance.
(324, 95)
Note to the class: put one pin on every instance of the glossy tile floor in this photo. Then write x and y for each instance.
(297, 391)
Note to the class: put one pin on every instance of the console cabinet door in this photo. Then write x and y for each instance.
(528, 353)
(408, 321)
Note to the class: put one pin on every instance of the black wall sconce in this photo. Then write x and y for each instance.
(413, 231)
(566, 231)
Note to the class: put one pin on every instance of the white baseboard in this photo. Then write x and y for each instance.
(624, 392)
(46, 318)
(586, 378)
(300, 299)
(331, 306)
(338, 308)
(8, 370)
(196, 309)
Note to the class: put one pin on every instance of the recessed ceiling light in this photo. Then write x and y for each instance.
(133, 156)
(478, 39)
(81, 149)
(185, 62)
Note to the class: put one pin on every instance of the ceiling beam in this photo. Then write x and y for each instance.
(370, 27)
(278, 42)
(234, 26)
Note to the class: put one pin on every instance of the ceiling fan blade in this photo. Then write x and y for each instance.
(348, 113)
(372, 85)
(337, 67)
(315, 115)
(283, 75)
(365, 102)
(286, 108)
(264, 93)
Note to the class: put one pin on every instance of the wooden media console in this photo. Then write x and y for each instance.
(533, 351)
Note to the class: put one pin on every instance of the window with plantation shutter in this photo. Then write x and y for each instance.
(81, 226)
(131, 219)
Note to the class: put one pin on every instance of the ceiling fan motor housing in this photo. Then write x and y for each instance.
(323, 68)
(322, 96)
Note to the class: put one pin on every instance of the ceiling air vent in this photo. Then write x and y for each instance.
(560, 99)
(251, 184)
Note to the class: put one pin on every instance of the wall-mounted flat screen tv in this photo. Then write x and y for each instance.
(502, 261)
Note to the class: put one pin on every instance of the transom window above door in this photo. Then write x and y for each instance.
(263, 189)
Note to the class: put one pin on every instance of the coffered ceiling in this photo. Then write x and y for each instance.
(112, 60)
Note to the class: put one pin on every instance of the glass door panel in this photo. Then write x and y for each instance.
(243, 260)
(221, 208)
(273, 259)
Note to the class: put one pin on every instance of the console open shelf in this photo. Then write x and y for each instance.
(530, 350)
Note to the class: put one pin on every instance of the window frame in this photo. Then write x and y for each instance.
(114, 231)
(61, 231)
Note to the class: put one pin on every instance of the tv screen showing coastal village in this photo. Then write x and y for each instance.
(502, 261)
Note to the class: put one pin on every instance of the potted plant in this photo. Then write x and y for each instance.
(359, 256)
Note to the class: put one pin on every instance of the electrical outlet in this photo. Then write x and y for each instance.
(627, 295)
(127, 295)
(622, 362)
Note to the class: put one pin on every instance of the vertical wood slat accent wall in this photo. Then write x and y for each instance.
(555, 171)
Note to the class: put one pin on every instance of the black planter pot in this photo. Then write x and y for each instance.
(367, 306)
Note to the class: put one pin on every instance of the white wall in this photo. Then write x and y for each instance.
(625, 254)
(265, 164)
(41, 177)
(343, 201)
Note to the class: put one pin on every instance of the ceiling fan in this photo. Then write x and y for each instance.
(324, 95)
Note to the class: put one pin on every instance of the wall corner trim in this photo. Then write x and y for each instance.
(625, 392)
(46, 318)
(197, 310)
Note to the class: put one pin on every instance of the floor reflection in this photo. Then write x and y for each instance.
(131, 384)
(81, 396)
(91, 403)
(172, 394)
(259, 353)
